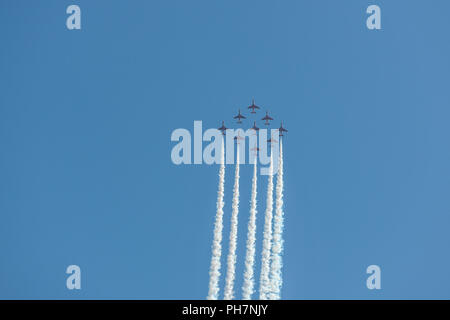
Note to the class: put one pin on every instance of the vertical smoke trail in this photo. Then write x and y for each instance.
(249, 282)
(264, 285)
(229, 283)
(214, 271)
(277, 246)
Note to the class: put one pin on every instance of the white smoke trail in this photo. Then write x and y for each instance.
(214, 271)
(249, 282)
(229, 283)
(264, 285)
(277, 245)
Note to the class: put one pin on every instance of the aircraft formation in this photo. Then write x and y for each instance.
(253, 110)
(272, 245)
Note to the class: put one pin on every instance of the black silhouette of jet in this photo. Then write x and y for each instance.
(267, 118)
(281, 129)
(239, 117)
(222, 128)
(253, 106)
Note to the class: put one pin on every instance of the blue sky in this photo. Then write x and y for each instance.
(85, 124)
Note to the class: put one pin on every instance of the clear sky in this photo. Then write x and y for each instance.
(86, 116)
